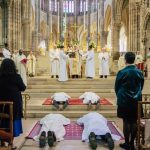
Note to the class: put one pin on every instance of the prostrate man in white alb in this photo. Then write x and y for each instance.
(90, 64)
(95, 127)
(63, 75)
(103, 63)
(121, 62)
(52, 129)
(60, 99)
(31, 64)
(90, 98)
(54, 57)
(6, 52)
(21, 66)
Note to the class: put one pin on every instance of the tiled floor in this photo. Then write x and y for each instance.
(63, 145)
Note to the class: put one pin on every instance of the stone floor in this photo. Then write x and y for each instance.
(63, 145)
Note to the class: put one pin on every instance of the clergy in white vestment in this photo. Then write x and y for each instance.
(14, 56)
(42, 47)
(60, 98)
(95, 123)
(31, 64)
(103, 63)
(54, 58)
(6, 52)
(90, 98)
(90, 64)
(63, 76)
(55, 123)
(121, 62)
(21, 66)
(139, 61)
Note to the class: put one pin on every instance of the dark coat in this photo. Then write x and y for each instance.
(10, 90)
(128, 86)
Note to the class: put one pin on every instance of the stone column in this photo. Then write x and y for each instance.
(102, 41)
(61, 18)
(48, 25)
(89, 22)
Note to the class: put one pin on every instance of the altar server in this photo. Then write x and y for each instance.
(54, 56)
(63, 76)
(6, 52)
(103, 63)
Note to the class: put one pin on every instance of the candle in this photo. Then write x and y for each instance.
(84, 15)
(58, 17)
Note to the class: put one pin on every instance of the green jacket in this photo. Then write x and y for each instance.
(128, 86)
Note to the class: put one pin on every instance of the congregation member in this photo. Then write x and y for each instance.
(95, 125)
(54, 57)
(59, 99)
(14, 56)
(21, 66)
(63, 75)
(121, 61)
(11, 86)
(128, 88)
(91, 99)
(31, 63)
(90, 64)
(103, 63)
(139, 61)
(52, 129)
(6, 52)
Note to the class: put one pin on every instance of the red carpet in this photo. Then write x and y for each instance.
(74, 131)
(77, 101)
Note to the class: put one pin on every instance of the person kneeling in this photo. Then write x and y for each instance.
(91, 99)
(60, 100)
(95, 126)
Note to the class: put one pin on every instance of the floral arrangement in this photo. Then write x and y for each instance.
(60, 45)
(92, 45)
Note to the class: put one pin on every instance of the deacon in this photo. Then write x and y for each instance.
(90, 98)
(52, 123)
(103, 63)
(139, 61)
(60, 99)
(6, 52)
(63, 76)
(21, 66)
(96, 125)
(90, 65)
(31, 64)
(54, 56)
(121, 62)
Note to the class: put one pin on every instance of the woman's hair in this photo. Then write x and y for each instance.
(7, 67)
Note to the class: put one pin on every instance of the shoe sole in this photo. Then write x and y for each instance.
(42, 143)
(110, 144)
(50, 141)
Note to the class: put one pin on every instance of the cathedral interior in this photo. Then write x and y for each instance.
(118, 25)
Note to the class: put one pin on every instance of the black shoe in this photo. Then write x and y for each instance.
(101, 77)
(125, 146)
(105, 76)
(51, 138)
(42, 139)
(57, 76)
(132, 147)
(110, 141)
(92, 141)
(52, 76)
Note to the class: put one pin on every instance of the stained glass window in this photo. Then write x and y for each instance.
(68, 6)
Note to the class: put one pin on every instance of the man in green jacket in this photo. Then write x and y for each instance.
(128, 87)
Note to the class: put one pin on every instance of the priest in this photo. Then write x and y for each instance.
(21, 66)
(95, 125)
(139, 61)
(103, 63)
(90, 64)
(31, 64)
(54, 57)
(63, 76)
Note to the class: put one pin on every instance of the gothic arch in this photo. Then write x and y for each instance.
(107, 18)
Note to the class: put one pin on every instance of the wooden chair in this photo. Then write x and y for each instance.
(26, 98)
(6, 134)
(143, 106)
